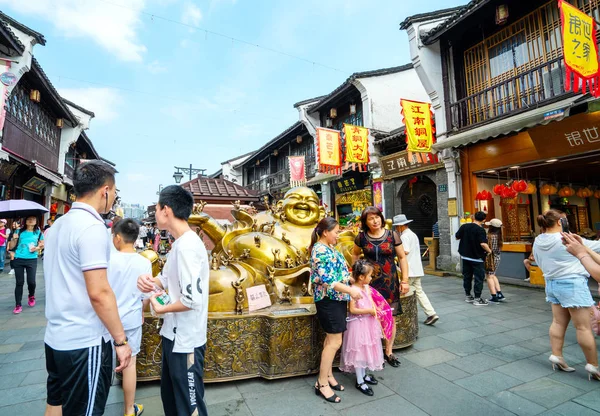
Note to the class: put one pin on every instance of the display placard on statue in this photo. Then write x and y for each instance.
(258, 298)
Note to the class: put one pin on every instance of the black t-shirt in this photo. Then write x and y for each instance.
(471, 236)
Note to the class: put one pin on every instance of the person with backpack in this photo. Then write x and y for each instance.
(26, 243)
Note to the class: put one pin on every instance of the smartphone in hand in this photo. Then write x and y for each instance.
(565, 225)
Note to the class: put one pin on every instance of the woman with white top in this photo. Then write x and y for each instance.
(568, 292)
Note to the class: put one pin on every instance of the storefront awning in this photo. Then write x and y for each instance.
(48, 174)
(320, 178)
(3, 155)
(508, 125)
(67, 181)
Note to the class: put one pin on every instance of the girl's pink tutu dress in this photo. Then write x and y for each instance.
(362, 346)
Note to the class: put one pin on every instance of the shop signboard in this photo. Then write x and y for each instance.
(6, 170)
(402, 164)
(573, 135)
(35, 184)
(349, 184)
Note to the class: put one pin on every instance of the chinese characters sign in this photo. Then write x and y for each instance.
(352, 183)
(405, 163)
(357, 144)
(329, 151)
(258, 298)
(418, 124)
(576, 134)
(580, 49)
(297, 171)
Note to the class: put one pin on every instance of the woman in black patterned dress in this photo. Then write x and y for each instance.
(380, 246)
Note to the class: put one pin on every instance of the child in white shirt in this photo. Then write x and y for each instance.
(124, 268)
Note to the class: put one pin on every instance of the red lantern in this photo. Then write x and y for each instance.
(478, 197)
(519, 186)
(498, 189)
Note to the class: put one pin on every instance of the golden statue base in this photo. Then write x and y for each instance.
(281, 341)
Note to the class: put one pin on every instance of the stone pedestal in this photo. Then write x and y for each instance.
(282, 341)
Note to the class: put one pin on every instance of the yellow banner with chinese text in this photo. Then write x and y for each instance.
(329, 151)
(418, 124)
(580, 50)
(357, 145)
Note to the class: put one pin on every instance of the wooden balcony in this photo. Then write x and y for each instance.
(540, 85)
(23, 142)
(278, 180)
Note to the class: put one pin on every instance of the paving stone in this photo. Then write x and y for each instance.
(450, 399)
(525, 370)
(460, 336)
(511, 353)
(547, 392)
(590, 400)
(15, 357)
(574, 409)
(8, 348)
(464, 349)
(35, 377)
(232, 407)
(257, 387)
(221, 392)
(430, 342)
(516, 404)
(488, 383)
(430, 357)
(448, 372)
(23, 394)
(392, 405)
(577, 379)
(476, 363)
(22, 367)
(12, 381)
(32, 407)
(526, 333)
(498, 340)
(298, 402)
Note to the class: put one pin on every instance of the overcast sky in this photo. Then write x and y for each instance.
(168, 90)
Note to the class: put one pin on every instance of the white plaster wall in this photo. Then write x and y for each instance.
(70, 134)
(381, 98)
(232, 170)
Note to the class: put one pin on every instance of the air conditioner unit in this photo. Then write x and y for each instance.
(557, 77)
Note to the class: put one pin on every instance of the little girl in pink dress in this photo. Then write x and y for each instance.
(362, 346)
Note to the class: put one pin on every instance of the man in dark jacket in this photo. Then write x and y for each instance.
(473, 249)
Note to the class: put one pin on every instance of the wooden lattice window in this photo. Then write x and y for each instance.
(499, 71)
(33, 116)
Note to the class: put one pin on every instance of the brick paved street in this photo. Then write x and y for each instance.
(487, 360)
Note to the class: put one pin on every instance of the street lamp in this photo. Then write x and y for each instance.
(191, 171)
(159, 189)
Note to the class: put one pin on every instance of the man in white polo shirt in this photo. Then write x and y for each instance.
(79, 300)
(185, 277)
(412, 249)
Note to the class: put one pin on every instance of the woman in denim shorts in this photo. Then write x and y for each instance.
(568, 292)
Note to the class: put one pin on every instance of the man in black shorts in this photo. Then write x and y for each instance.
(79, 300)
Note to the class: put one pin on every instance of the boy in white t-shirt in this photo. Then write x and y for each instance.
(124, 268)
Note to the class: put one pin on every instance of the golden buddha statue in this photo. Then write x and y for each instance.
(268, 247)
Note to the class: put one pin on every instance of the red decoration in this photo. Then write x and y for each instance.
(498, 189)
(519, 186)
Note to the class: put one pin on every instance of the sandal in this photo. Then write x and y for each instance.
(392, 360)
(331, 399)
(337, 387)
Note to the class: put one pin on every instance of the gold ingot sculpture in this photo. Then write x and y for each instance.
(262, 248)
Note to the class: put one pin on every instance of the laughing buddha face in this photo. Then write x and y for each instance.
(301, 206)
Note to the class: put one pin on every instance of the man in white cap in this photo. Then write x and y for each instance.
(412, 248)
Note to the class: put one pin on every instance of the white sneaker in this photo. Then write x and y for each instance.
(12, 271)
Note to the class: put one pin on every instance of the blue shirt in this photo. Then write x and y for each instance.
(25, 239)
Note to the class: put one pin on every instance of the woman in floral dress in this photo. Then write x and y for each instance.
(380, 246)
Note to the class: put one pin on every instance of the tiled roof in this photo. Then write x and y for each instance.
(218, 190)
(309, 100)
(11, 37)
(350, 80)
(429, 16)
(59, 102)
(272, 142)
(238, 157)
(455, 19)
(88, 141)
(20, 26)
(80, 108)
(387, 137)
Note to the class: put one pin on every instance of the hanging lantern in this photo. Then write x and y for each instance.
(298, 139)
(333, 113)
(548, 189)
(531, 189)
(35, 95)
(519, 186)
(501, 14)
(597, 194)
(328, 123)
(275, 152)
(352, 108)
(59, 123)
(498, 189)
(566, 191)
